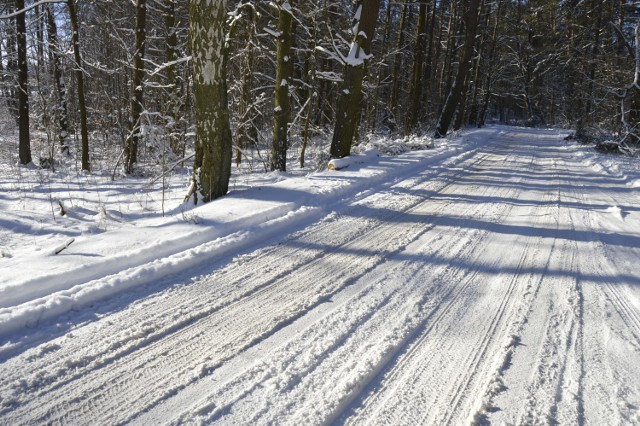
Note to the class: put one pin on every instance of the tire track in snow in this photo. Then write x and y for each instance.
(626, 397)
(557, 336)
(220, 409)
(115, 364)
(416, 352)
(572, 380)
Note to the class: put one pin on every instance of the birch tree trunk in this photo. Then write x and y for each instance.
(213, 132)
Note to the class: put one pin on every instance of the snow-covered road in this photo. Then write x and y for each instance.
(499, 285)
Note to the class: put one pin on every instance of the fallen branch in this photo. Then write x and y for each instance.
(62, 247)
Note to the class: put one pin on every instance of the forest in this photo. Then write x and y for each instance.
(335, 212)
(128, 85)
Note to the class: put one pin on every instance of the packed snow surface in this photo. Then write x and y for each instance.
(493, 278)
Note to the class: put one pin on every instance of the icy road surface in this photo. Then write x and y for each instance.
(498, 286)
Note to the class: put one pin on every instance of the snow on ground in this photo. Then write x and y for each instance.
(492, 278)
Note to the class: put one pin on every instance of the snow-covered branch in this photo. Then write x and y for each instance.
(28, 8)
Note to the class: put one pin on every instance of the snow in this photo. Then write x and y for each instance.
(271, 32)
(356, 56)
(490, 278)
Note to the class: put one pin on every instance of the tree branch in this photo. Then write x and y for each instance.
(28, 8)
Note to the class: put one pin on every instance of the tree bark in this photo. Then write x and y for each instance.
(415, 90)
(8, 78)
(24, 147)
(397, 62)
(61, 92)
(463, 68)
(482, 115)
(247, 133)
(284, 71)
(213, 131)
(171, 55)
(137, 90)
(75, 40)
(351, 92)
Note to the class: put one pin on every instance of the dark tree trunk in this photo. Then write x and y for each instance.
(397, 62)
(23, 86)
(482, 115)
(75, 40)
(284, 72)
(597, 10)
(463, 68)
(171, 55)
(137, 90)
(61, 92)
(415, 90)
(350, 95)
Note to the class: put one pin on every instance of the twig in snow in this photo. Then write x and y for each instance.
(62, 247)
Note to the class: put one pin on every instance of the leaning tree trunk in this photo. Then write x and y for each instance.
(284, 71)
(137, 82)
(463, 68)
(213, 131)
(24, 147)
(56, 66)
(75, 40)
(348, 107)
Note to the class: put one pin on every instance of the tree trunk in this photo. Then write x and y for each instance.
(428, 68)
(463, 68)
(380, 90)
(446, 71)
(247, 134)
(597, 10)
(284, 71)
(23, 86)
(75, 40)
(171, 55)
(137, 90)
(8, 77)
(61, 92)
(351, 92)
(632, 125)
(213, 131)
(397, 62)
(482, 115)
(39, 36)
(415, 90)
(462, 104)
